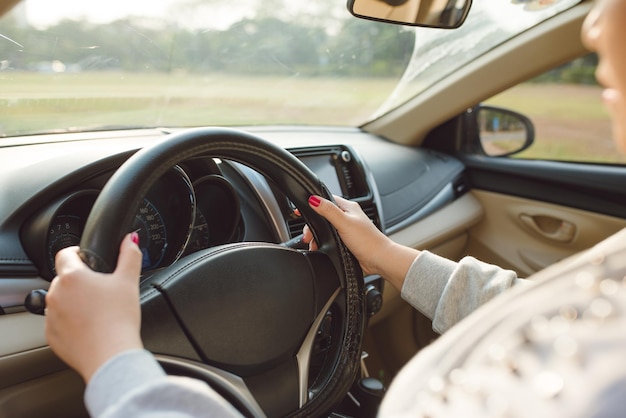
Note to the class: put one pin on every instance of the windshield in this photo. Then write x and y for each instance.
(72, 65)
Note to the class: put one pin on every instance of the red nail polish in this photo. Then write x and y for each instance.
(314, 201)
(134, 237)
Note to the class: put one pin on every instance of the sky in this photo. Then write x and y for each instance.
(47, 12)
(216, 14)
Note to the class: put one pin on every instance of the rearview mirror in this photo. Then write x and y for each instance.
(445, 14)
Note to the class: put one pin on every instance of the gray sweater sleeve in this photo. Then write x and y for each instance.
(133, 384)
(446, 291)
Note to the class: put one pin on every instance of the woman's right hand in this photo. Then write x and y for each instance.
(376, 253)
(357, 231)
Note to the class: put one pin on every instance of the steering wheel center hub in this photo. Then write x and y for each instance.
(244, 306)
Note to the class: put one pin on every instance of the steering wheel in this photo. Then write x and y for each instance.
(243, 316)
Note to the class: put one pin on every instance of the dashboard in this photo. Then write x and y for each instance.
(202, 202)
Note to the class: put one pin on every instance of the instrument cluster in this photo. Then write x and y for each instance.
(176, 217)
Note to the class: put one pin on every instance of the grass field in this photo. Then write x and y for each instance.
(40, 101)
(570, 121)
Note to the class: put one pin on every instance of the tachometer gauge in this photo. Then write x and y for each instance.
(219, 204)
(199, 238)
(64, 232)
(152, 235)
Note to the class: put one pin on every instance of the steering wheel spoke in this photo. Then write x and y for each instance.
(306, 351)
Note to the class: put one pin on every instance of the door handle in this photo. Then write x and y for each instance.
(549, 227)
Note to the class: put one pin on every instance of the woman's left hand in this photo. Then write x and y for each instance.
(90, 316)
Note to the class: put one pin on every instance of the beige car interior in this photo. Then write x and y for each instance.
(515, 233)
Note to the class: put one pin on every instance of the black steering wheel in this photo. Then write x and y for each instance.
(242, 316)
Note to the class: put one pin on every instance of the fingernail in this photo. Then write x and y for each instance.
(314, 201)
(134, 237)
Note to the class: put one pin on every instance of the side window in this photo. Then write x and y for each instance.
(565, 107)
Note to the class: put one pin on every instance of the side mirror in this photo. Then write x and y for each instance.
(500, 132)
(444, 14)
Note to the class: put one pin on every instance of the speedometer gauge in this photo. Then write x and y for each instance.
(152, 234)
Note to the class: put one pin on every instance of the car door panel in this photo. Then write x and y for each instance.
(539, 212)
(504, 237)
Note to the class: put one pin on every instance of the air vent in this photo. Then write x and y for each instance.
(295, 225)
(347, 177)
(371, 212)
